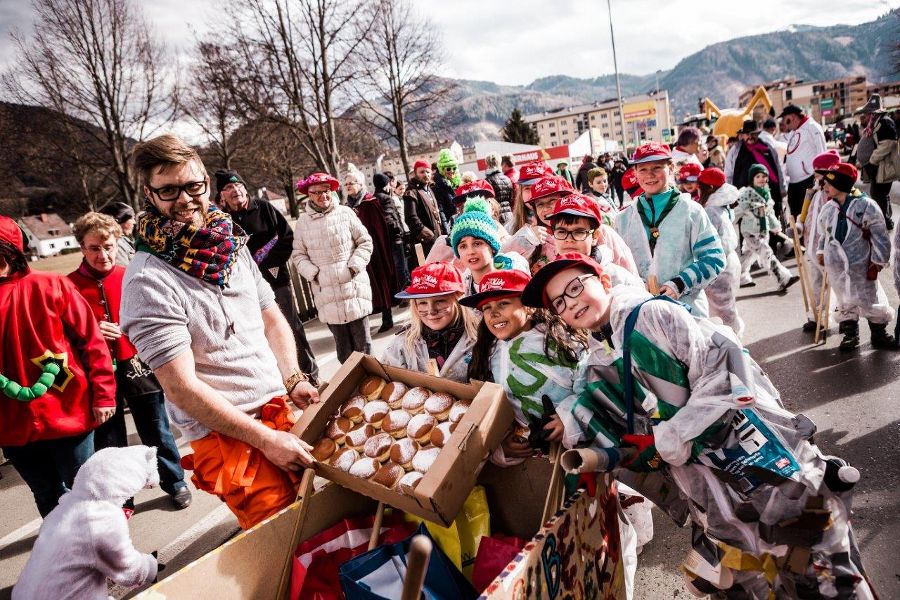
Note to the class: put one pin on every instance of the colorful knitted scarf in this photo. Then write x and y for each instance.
(207, 252)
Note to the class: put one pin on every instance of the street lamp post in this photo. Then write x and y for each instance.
(612, 37)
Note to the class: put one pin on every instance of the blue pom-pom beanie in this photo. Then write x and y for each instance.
(475, 221)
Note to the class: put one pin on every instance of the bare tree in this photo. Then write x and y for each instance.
(212, 104)
(297, 58)
(399, 87)
(97, 62)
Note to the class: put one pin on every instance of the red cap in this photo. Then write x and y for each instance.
(316, 178)
(549, 185)
(630, 182)
(433, 279)
(845, 169)
(479, 187)
(842, 176)
(651, 152)
(712, 176)
(498, 284)
(688, 172)
(10, 233)
(578, 205)
(535, 295)
(421, 164)
(532, 171)
(826, 160)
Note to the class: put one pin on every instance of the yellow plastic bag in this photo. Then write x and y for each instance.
(460, 540)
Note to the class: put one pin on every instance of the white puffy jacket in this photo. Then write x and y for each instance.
(328, 248)
(805, 143)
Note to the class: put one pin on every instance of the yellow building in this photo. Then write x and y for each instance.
(647, 117)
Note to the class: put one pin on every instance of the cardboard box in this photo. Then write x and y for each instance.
(569, 552)
(442, 491)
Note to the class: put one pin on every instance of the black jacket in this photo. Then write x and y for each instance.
(271, 239)
(503, 188)
(391, 215)
(421, 210)
(581, 182)
(444, 192)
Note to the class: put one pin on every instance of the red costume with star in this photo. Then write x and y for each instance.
(44, 318)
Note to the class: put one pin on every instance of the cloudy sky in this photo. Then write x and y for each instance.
(516, 42)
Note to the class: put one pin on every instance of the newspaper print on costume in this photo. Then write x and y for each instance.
(847, 262)
(721, 292)
(689, 248)
(712, 403)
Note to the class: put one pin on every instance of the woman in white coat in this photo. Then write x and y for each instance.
(331, 251)
(441, 333)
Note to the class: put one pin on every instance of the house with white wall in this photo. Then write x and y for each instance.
(48, 234)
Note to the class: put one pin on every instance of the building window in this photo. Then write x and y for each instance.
(616, 113)
(551, 125)
(604, 116)
(552, 134)
(593, 117)
(565, 132)
(563, 122)
(788, 94)
(52, 246)
(541, 126)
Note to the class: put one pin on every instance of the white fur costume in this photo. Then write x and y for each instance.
(85, 540)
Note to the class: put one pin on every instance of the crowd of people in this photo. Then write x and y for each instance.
(604, 303)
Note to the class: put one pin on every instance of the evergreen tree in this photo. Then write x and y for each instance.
(517, 131)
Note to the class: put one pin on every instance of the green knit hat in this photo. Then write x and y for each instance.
(475, 221)
(445, 159)
(758, 168)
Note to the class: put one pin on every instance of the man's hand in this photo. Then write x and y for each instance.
(668, 290)
(103, 414)
(427, 234)
(304, 394)
(286, 451)
(110, 331)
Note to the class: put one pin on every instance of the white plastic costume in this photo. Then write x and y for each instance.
(85, 540)
(455, 366)
(713, 411)
(811, 244)
(847, 261)
(688, 250)
(757, 217)
(720, 293)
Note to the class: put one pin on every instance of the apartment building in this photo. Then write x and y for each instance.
(647, 117)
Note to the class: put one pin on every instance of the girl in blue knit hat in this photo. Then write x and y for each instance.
(474, 239)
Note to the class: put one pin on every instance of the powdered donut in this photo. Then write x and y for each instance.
(424, 458)
(379, 446)
(414, 400)
(438, 405)
(409, 482)
(395, 423)
(344, 459)
(393, 393)
(364, 467)
(403, 451)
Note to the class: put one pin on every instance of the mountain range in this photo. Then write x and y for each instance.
(720, 71)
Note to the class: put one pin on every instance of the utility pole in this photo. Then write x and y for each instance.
(612, 37)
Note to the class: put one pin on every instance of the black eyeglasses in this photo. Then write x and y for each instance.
(170, 193)
(449, 168)
(579, 235)
(573, 290)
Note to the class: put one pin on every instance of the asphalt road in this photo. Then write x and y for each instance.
(854, 399)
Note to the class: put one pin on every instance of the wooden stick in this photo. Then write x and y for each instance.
(653, 285)
(420, 254)
(416, 567)
(822, 309)
(376, 526)
(551, 504)
(801, 267)
(827, 285)
(303, 493)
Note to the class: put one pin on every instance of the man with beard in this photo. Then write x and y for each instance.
(200, 314)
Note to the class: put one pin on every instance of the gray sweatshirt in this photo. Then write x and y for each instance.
(166, 312)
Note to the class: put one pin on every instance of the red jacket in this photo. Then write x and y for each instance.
(109, 288)
(42, 316)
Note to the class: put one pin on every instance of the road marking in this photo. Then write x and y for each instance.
(21, 533)
(218, 516)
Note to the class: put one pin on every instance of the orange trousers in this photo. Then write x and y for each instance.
(240, 475)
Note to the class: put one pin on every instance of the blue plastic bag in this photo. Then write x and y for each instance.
(379, 574)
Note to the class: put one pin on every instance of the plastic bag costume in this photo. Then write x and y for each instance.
(811, 243)
(757, 217)
(720, 293)
(455, 367)
(850, 246)
(766, 519)
(684, 246)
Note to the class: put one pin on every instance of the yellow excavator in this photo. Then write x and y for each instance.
(728, 121)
